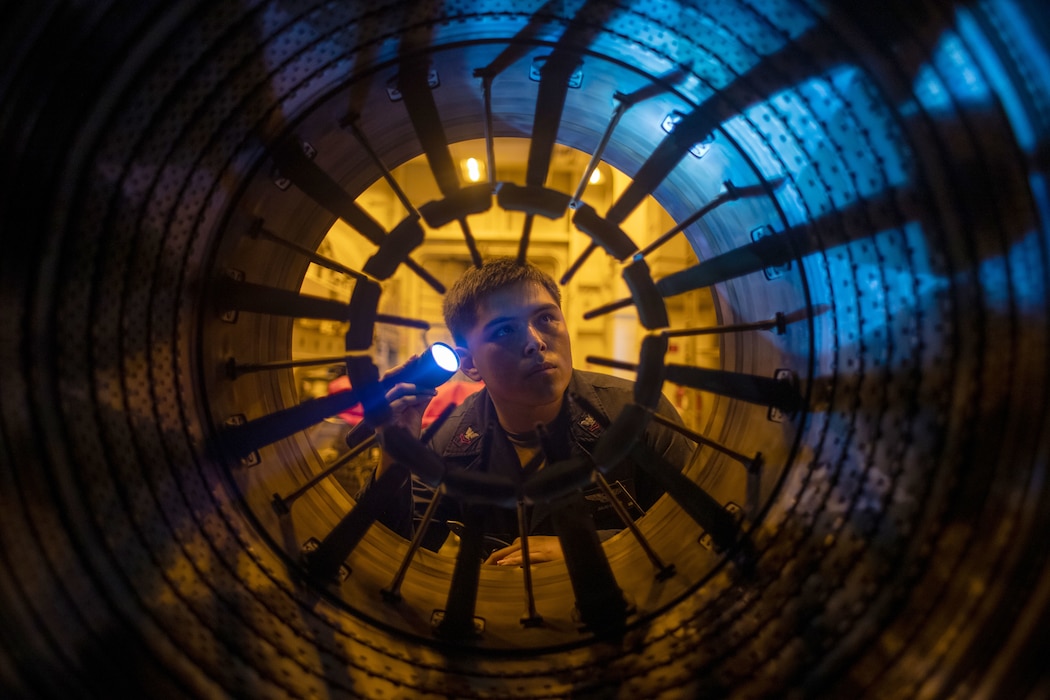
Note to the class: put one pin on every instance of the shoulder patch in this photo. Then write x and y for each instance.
(466, 437)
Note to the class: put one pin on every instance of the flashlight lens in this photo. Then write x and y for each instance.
(445, 357)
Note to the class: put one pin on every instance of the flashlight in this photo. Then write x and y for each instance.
(430, 370)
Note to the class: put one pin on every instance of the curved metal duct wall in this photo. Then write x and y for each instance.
(895, 208)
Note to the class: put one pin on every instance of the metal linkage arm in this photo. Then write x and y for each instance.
(457, 620)
(599, 600)
(323, 563)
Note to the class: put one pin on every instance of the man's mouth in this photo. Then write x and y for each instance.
(543, 367)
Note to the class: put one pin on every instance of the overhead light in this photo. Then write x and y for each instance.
(596, 176)
(473, 169)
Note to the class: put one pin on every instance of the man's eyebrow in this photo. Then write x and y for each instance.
(534, 310)
(498, 320)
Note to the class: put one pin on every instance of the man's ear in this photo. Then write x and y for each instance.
(466, 363)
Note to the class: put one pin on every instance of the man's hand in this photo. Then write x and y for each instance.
(541, 548)
(408, 402)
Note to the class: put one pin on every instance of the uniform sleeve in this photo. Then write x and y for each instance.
(675, 447)
(397, 512)
(670, 444)
(404, 512)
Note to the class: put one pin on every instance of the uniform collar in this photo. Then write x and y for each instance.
(468, 436)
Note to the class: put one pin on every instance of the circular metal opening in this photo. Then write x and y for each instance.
(678, 546)
(888, 168)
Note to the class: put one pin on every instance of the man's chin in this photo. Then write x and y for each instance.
(550, 383)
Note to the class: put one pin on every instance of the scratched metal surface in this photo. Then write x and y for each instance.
(898, 163)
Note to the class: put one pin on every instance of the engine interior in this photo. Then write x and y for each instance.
(819, 228)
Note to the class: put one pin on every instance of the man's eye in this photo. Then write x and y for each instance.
(502, 331)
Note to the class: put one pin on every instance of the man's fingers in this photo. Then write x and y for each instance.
(499, 554)
(542, 549)
(411, 392)
(406, 398)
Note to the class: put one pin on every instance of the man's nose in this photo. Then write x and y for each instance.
(534, 341)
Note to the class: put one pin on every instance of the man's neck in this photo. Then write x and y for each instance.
(520, 419)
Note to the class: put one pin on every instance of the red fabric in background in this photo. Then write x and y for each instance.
(452, 392)
(354, 415)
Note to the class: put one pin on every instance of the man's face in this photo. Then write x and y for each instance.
(520, 348)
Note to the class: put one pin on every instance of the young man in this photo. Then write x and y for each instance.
(506, 320)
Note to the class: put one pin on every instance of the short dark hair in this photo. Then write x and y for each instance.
(461, 301)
